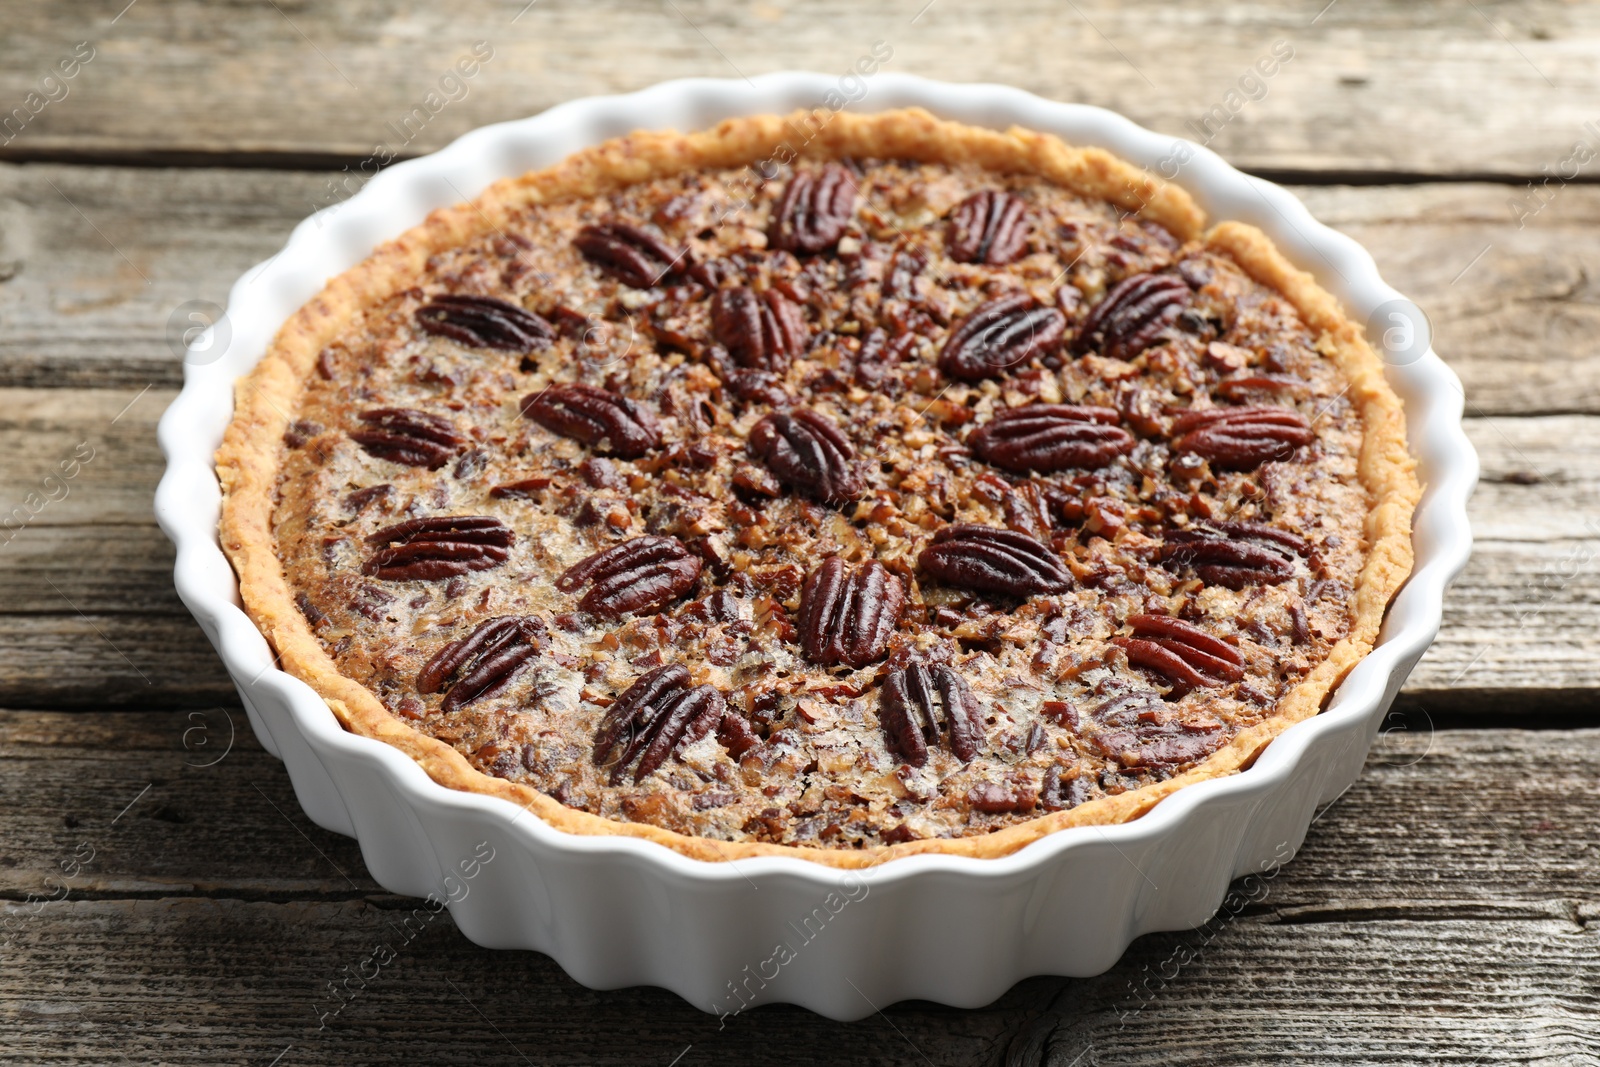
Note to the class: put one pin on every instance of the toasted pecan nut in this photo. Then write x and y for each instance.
(996, 798)
(879, 352)
(900, 278)
(1141, 732)
(990, 560)
(1131, 315)
(761, 331)
(632, 254)
(1182, 652)
(988, 227)
(440, 546)
(808, 452)
(405, 435)
(597, 417)
(814, 210)
(847, 615)
(1241, 438)
(485, 322)
(495, 650)
(910, 712)
(1000, 334)
(736, 735)
(1051, 437)
(641, 574)
(1235, 554)
(657, 715)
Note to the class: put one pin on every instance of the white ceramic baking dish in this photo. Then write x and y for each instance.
(618, 911)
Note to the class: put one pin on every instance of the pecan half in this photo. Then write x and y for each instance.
(489, 658)
(763, 331)
(807, 451)
(990, 227)
(657, 715)
(1051, 437)
(405, 435)
(910, 713)
(999, 334)
(991, 560)
(1235, 554)
(814, 210)
(1185, 654)
(1129, 318)
(440, 546)
(846, 616)
(597, 417)
(485, 322)
(637, 575)
(1241, 438)
(631, 254)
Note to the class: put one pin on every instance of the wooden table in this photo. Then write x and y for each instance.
(166, 900)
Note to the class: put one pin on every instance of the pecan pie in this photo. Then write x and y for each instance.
(839, 486)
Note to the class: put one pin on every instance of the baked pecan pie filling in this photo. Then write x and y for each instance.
(848, 503)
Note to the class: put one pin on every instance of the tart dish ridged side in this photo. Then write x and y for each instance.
(250, 457)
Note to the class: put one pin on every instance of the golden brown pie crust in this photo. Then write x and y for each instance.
(250, 457)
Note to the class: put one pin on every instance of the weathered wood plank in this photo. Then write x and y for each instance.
(1512, 296)
(169, 80)
(1445, 855)
(1441, 825)
(1514, 309)
(79, 457)
(202, 981)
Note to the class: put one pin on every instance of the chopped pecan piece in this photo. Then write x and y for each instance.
(485, 322)
(405, 435)
(1235, 554)
(597, 417)
(1139, 731)
(1051, 437)
(899, 279)
(358, 500)
(1255, 385)
(1000, 334)
(491, 654)
(440, 546)
(1129, 318)
(637, 575)
(736, 735)
(1056, 795)
(878, 353)
(1241, 438)
(996, 798)
(659, 713)
(762, 331)
(814, 210)
(1185, 654)
(807, 451)
(846, 616)
(631, 254)
(991, 560)
(910, 713)
(990, 227)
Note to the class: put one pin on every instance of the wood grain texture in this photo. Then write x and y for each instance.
(1441, 857)
(1441, 824)
(99, 298)
(293, 80)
